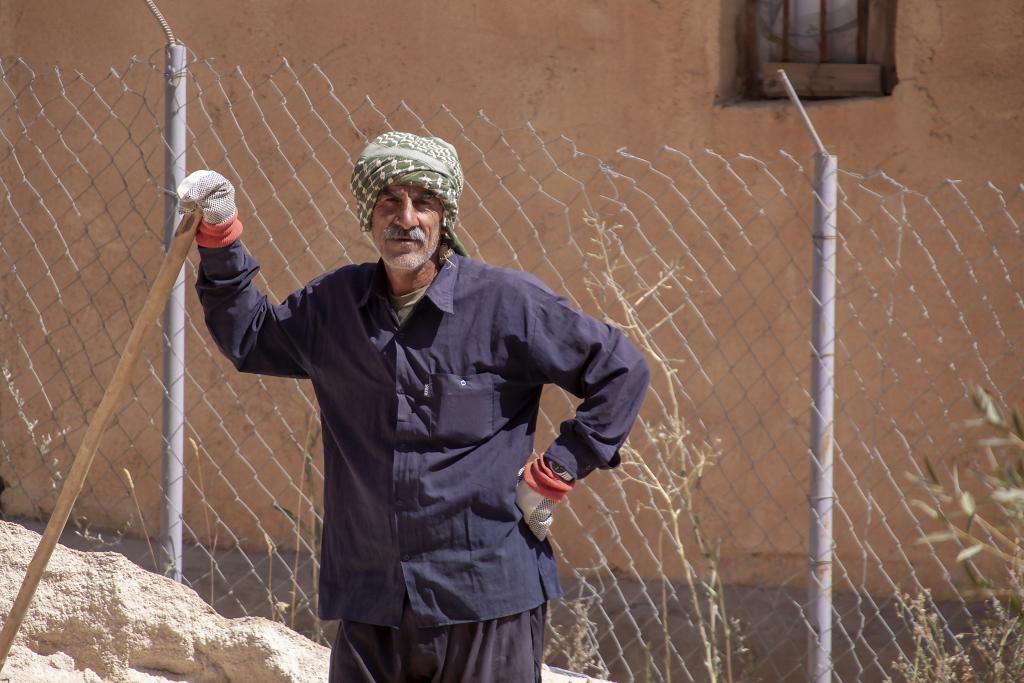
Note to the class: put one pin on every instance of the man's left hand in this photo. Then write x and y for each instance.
(542, 485)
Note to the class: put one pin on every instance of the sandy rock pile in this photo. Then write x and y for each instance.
(97, 617)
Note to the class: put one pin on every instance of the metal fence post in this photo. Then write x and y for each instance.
(823, 334)
(173, 463)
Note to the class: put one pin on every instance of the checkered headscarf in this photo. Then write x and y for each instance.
(407, 159)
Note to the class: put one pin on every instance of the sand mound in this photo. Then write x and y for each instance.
(97, 617)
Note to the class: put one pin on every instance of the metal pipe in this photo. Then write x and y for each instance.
(173, 462)
(823, 335)
(800, 110)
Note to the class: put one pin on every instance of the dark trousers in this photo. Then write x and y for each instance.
(504, 650)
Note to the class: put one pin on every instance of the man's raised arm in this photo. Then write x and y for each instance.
(254, 334)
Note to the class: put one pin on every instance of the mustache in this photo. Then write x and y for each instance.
(393, 232)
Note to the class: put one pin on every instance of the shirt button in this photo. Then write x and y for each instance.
(462, 382)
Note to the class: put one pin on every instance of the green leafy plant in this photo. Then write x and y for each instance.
(986, 522)
(991, 519)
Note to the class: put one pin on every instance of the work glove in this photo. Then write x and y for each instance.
(542, 485)
(214, 195)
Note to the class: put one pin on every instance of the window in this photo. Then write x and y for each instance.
(829, 48)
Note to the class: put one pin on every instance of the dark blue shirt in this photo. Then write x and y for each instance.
(427, 424)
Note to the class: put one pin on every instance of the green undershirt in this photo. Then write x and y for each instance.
(404, 303)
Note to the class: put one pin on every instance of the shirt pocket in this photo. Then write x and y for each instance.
(464, 408)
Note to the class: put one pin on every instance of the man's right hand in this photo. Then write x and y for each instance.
(214, 195)
(209, 191)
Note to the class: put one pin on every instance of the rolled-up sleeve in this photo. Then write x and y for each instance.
(597, 363)
(257, 336)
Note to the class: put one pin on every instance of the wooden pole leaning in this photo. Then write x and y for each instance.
(174, 260)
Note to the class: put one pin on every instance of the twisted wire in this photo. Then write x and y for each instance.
(163, 22)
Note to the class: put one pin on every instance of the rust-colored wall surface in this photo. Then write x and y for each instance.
(606, 74)
(639, 75)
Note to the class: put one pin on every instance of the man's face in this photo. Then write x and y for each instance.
(406, 226)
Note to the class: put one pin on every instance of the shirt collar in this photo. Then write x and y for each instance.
(441, 291)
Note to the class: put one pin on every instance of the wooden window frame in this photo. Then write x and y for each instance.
(874, 74)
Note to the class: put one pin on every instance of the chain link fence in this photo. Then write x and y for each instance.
(693, 557)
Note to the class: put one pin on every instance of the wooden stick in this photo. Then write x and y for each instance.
(173, 261)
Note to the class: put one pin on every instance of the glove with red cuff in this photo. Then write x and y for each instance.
(212, 193)
(542, 485)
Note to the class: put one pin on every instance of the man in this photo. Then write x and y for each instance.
(428, 367)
